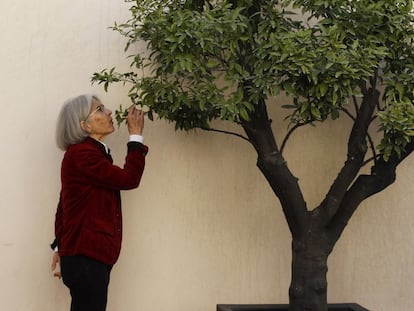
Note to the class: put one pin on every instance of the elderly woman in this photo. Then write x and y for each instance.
(88, 224)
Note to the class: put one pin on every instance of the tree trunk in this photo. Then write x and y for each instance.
(308, 289)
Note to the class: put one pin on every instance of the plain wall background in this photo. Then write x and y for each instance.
(204, 227)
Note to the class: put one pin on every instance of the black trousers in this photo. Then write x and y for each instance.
(87, 280)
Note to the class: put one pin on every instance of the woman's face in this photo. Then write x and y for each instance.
(98, 123)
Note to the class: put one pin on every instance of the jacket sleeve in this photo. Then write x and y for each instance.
(58, 224)
(94, 167)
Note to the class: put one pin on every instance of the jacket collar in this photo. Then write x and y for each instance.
(98, 143)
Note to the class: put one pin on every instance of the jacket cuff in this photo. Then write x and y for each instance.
(134, 145)
(54, 244)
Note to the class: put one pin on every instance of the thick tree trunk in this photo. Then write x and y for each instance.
(308, 288)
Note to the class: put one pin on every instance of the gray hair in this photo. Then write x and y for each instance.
(68, 128)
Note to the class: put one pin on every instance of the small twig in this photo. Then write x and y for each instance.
(355, 104)
(289, 134)
(370, 159)
(228, 133)
(374, 154)
(348, 113)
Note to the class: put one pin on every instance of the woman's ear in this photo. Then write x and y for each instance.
(84, 126)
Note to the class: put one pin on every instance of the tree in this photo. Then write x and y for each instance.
(224, 60)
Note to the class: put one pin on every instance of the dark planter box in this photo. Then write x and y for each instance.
(331, 307)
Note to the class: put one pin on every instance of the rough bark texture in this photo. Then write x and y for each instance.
(308, 288)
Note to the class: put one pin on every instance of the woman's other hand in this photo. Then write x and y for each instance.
(55, 262)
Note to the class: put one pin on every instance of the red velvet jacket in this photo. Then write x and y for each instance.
(88, 217)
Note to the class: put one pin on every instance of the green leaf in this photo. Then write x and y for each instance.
(323, 89)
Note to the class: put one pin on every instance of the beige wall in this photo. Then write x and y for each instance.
(204, 227)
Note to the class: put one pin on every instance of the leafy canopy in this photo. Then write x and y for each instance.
(219, 59)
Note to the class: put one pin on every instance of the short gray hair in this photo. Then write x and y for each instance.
(68, 128)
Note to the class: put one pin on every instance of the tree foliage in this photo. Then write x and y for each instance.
(218, 59)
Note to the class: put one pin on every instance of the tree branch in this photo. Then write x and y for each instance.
(228, 133)
(355, 101)
(282, 147)
(348, 113)
(371, 142)
(383, 174)
(372, 147)
(357, 147)
(273, 166)
(364, 187)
